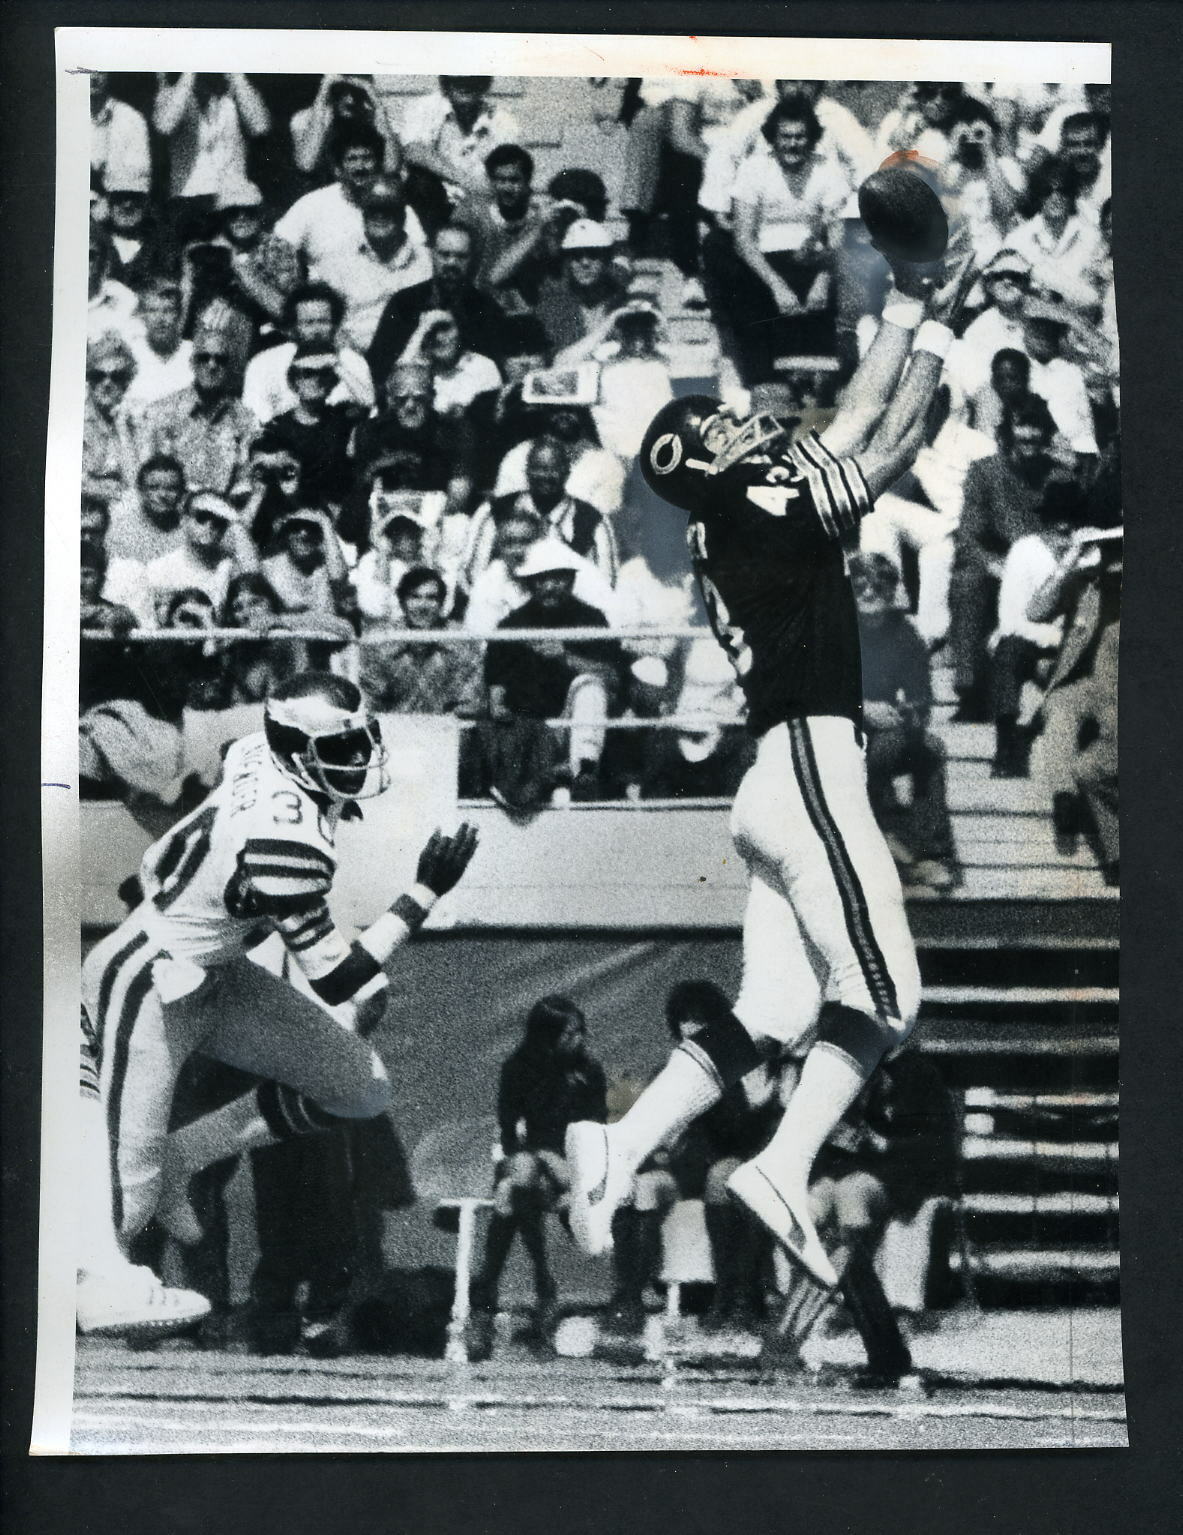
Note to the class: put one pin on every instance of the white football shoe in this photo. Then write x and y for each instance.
(601, 1178)
(785, 1211)
(134, 1302)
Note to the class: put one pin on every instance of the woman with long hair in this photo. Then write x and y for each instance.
(549, 1081)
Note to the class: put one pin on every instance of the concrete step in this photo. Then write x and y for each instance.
(1020, 996)
(1059, 1203)
(1048, 1154)
(986, 1098)
(1041, 1265)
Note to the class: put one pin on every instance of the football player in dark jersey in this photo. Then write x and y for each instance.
(827, 950)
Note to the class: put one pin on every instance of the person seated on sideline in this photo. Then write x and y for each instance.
(548, 679)
(312, 316)
(564, 516)
(1022, 650)
(549, 1081)
(450, 132)
(897, 690)
(423, 678)
(214, 548)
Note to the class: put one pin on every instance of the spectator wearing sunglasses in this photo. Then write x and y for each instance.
(204, 427)
(110, 445)
(314, 432)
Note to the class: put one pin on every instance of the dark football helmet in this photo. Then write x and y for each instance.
(321, 732)
(692, 441)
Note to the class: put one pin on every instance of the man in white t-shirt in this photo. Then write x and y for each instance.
(323, 223)
(496, 592)
(450, 131)
(164, 360)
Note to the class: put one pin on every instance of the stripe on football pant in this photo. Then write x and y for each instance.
(850, 890)
(133, 967)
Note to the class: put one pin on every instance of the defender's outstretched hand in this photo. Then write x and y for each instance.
(443, 861)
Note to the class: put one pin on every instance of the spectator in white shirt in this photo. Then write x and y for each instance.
(635, 380)
(450, 132)
(1054, 377)
(924, 122)
(118, 134)
(400, 537)
(124, 582)
(788, 207)
(164, 360)
(308, 569)
(1006, 281)
(1084, 145)
(1022, 649)
(147, 523)
(458, 374)
(564, 516)
(207, 120)
(312, 317)
(383, 263)
(1060, 245)
(215, 547)
(496, 592)
(323, 223)
(597, 476)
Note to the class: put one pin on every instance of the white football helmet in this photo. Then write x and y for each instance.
(321, 732)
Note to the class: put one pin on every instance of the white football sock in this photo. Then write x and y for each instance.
(830, 1082)
(679, 1093)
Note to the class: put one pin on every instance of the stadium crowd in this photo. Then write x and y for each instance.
(359, 383)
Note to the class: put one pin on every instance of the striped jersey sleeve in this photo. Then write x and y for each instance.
(837, 488)
(280, 874)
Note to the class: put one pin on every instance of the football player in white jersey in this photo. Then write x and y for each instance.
(174, 978)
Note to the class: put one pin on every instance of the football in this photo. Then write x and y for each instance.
(903, 215)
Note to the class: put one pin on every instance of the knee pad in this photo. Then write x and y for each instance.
(864, 1038)
(724, 1049)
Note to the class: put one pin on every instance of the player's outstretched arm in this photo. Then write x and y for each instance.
(865, 397)
(899, 435)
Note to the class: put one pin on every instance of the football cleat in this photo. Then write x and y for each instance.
(600, 1180)
(134, 1303)
(785, 1211)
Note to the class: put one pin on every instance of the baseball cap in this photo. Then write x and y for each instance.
(587, 235)
(238, 194)
(547, 555)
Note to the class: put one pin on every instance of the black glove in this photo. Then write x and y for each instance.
(444, 859)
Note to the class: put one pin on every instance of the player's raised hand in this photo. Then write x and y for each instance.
(957, 274)
(443, 861)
